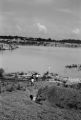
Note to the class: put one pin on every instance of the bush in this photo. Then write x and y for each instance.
(1, 72)
(41, 94)
(18, 87)
(10, 88)
(73, 85)
(61, 97)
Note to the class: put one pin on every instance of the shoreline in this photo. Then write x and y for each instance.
(4, 46)
(18, 40)
(46, 76)
(44, 45)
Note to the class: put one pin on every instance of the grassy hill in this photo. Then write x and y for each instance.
(16, 105)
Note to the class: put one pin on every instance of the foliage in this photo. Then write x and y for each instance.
(1, 72)
(61, 97)
(10, 88)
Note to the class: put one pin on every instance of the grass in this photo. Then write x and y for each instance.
(16, 104)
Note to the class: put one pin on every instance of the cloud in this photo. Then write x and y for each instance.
(41, 28)
(76, 31)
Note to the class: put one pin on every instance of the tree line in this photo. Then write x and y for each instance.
(76, 41)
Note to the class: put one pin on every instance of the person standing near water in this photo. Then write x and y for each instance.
(32, 81)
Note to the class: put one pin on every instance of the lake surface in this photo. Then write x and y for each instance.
(40, 59)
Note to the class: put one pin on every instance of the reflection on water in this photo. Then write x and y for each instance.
(39, 59)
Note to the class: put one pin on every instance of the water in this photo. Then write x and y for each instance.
(41, 59)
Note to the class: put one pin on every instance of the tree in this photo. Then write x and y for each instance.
(1, 72)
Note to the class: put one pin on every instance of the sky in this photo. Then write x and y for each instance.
(56, 19)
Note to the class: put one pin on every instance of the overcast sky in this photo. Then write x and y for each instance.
(41, 18)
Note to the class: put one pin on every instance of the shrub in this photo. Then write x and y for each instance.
(41, 94)
(61, 97)
(1, 72)
(18, 87)
(10, 88)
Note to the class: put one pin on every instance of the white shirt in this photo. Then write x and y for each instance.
(32, 80)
